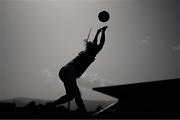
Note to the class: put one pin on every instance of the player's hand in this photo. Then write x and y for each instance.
(104, 28)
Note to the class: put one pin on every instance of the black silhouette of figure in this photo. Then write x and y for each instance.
(75, 68)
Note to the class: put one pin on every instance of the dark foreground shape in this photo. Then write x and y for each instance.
(31, 111)
(156, 99)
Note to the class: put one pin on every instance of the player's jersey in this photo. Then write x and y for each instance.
(81, 62)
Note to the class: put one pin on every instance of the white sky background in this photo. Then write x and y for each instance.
(40, 36)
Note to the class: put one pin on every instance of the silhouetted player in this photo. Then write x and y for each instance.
(75, 68)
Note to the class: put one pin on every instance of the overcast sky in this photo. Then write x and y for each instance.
(37, 37)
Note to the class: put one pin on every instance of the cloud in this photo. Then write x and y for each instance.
(94, 80)
(146, 40)
(48, 75)
(176, 48)
(52, 87)
(86, 80)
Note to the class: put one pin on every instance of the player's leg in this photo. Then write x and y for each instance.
(68, 77)
(79, 101)
(63, 99)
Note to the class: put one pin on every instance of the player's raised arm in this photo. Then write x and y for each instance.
(96, 36)
(102, 40)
